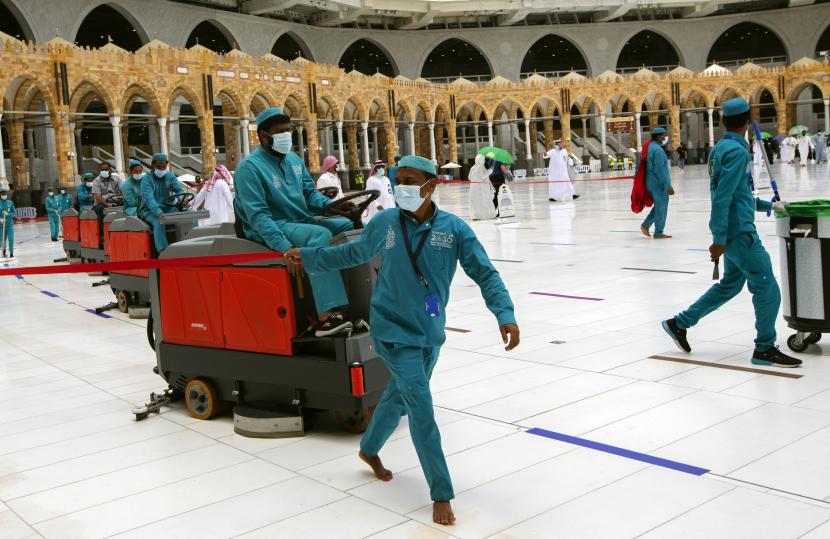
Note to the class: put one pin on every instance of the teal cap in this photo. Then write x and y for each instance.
(267, 114)
(134, 163)
(735, 106)
(159, 157)
(658, 131)
(88, 176)
(419, 163)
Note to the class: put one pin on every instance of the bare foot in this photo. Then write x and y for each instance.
(442, 513)
(377, 466)
(645, 231)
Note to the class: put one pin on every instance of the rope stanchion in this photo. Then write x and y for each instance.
(161, 263)
(528, 182)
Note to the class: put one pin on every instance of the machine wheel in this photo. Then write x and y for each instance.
(201, 399)
(355, 422)
(123, 300)
(797, 343)
(813, 338)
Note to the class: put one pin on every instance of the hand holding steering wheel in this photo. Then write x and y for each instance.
(113, 200)
(352, 211)
(329, 192)
(181, 201)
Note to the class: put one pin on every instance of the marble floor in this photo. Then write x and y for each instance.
(628, 427)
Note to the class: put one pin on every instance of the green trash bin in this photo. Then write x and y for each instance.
(804, 239)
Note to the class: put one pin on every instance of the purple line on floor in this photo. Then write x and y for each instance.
(47, 293)
(102, 315)
(566, 296)
(619, 451)
(19, 276)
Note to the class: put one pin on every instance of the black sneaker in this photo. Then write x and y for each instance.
(334, 325)
(775, 358)
(576, 197)
(551, 200)
(678, 335)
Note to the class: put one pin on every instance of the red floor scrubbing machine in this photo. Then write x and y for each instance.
(242, 333)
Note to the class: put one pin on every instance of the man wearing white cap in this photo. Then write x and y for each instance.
(559, 181)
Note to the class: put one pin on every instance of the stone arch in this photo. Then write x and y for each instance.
(755, 93)
(88, 89)
(295, 106)
(694, 97)
(15, 20)
(377, 111)
(725, 94)
(368, 64)
(282, 41)
(203, 25)
(548, 40)
(234, 101)
(187, 93)
(402, 107)
(445, 113)
(143, 90)
(796, 90)
(658, 101)
(332, 107)
(715, 53)
(450, 42)
(19, 88)
(659, 34)
(258, 99)
(359, 112)
(120, 11)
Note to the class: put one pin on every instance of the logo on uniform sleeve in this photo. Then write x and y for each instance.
(390, 238)
(276, 181)
(298, 170)
(442, 240)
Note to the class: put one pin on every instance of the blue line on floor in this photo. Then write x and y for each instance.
(102, 315)
(19, 276)
(627, 453)
(50, 294)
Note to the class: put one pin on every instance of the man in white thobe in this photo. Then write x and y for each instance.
(804, 145)
(560, 186)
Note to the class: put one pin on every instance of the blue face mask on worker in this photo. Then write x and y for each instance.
(408, 197)
(137, 177)
(105, 174)
(665, 141)
(159, 173)
(281, 142)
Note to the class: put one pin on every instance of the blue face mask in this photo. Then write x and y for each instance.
(281, 142)
(381, 172)
(408, 197)
(137, 177)
(105, 174)
(665, 141)
(159, 173)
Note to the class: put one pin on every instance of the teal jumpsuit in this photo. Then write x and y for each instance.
(85, 197)
(52, 203)
(154, 191)
(732, 224)
(276, 200)
(131, 191)
(65, 202)
(407, 338)
(658, 182)
(7, 215)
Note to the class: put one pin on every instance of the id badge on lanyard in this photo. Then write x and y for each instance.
(432, 304)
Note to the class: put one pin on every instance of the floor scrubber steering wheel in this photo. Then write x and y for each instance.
(180, 201)
(114, 200)
(355, 211)
(329, 192)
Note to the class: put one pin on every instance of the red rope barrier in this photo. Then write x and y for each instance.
(527, 182)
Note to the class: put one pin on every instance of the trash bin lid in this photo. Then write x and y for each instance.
(807, 208)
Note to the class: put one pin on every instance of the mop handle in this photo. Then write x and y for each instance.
(3, 243)
(776, 197)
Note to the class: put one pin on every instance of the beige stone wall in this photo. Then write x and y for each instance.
(160, 74)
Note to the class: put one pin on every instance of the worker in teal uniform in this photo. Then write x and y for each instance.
(393, 170)
(65, 200)
(658, 183)
(276, 201)
(420, 247)
(52, 203)
(7, 214)
(131, 188)
(85, 197)
(734, 237)
(156, 187)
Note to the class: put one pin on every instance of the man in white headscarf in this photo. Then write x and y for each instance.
(788, 149)
(217, 196)
(481, 191)
(559, 186)
(378, 181)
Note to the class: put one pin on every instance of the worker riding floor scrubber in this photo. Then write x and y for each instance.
(94, 245)
(130, 238)
(242, 333)
(71, 226)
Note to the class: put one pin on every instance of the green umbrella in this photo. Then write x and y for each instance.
(765, 135)
(798, 129)
(497, 154)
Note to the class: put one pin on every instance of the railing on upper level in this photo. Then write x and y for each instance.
(656, 69)
(551, 74)
(766, 61)
(448, 80)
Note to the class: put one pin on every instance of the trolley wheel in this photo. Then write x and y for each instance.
(797, 343)
(813, 338)
(201, 399)
(123, 300)
(355, 422)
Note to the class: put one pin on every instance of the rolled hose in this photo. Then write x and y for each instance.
(150, 337)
